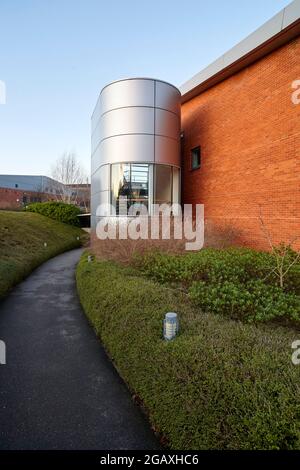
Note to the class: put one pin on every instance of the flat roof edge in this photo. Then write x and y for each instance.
(276, 32)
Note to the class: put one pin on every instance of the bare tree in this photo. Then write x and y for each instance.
(39, 193)
(85, 195)
(68, 171)
(285, 256)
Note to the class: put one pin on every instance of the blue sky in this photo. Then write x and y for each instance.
(56, 55)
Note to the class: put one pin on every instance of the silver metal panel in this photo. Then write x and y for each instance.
(124, 122)
(96, 160)
(167, 124)
(205, 74)
(96, 137)
(93, 221)
(167, 151)
(95, 183)
(127, 148)
(96, 116)
(103, 197)
(127, 93)
(127, 121)
(167, 97)
(99, 198)
(291, 13)
(94, 204)
(268, 30)
(100, 179)
(262, 34)
(176, 186)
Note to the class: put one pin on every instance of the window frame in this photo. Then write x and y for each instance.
(196, 149)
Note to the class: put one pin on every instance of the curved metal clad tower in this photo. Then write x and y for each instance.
(136, 144)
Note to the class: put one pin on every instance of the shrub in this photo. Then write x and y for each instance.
(214, 266)
(253, 301)
(66, 213)
(292, 281)
(220, 384)
(236, 282)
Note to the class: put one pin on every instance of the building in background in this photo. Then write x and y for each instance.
(18, 190)
(240, 139)
(80, 195)
(241, 135)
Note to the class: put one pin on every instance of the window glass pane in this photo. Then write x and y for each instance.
(163, 184)
(129, 181)
(119, 180)
(196, 158)
(139, 183)
(176, 188)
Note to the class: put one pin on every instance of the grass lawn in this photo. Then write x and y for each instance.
(221, 384)
(22, 238)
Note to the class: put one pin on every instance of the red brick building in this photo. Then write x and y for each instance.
(16, 191)
(12, 199)
(241, 135)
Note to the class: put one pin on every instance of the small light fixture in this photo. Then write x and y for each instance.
(45, 244)
(90, 258)
(77, 238)
(171, 325)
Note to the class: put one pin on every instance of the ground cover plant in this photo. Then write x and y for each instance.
(236, 282)
(222, 383)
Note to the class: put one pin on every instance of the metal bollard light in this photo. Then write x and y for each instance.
(171, 325)
(2, 352)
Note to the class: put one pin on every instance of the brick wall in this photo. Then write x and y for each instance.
(249, 133)
(13, 198)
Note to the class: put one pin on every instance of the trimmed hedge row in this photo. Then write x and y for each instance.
(66, 213)
(220, 384)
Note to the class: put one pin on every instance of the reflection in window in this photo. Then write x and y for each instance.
(196, 158)
(163, 184)
(131, 182)
(142, 183)
(176, 186)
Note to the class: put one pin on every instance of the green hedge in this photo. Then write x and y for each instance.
(66, 213)
(254, 301)
(221, 384)
(237, 282)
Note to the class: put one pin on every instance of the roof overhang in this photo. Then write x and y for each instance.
(276, 32)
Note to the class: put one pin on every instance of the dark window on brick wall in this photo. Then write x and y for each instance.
(196, 158)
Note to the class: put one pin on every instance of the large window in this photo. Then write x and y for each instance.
(146, 184)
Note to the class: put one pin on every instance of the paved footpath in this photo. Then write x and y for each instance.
(58, 389)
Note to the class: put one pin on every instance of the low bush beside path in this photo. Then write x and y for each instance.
(220, 384)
